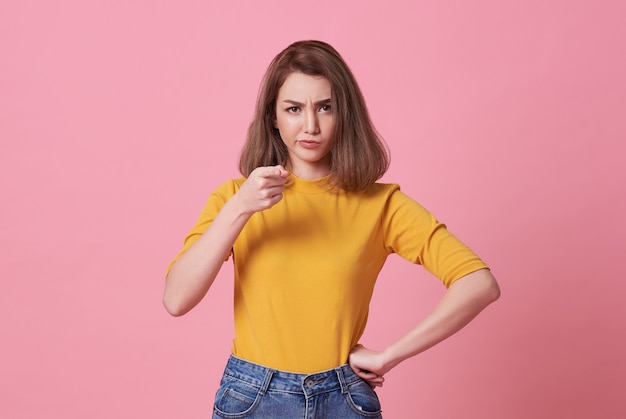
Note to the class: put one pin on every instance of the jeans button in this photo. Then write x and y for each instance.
(310, 383)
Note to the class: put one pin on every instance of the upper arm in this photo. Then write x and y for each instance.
(415, 234)
(212, 207)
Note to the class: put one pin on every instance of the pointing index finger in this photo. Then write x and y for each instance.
(270, 171)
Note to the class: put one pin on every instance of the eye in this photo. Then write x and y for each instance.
(293, 109)
(325, 108)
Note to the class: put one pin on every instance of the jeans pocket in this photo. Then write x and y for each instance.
(363, 399)
(235, 399)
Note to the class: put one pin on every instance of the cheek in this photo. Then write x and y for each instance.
(284, 125)
(330, 129)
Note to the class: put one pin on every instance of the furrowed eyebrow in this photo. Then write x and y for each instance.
(318, 103)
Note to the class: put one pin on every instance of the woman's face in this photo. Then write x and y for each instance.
(304, 119)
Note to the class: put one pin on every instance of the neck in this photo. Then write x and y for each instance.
(310, 172)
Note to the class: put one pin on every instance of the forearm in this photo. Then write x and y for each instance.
(464, 299)
(193, 273)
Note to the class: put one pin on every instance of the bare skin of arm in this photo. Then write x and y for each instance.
(465, 298)
(194, 272)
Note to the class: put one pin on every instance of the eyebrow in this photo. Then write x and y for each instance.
(296, 103)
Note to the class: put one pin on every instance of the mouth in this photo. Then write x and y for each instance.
(308, 143)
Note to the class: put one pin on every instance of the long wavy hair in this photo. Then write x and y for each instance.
(359, 156)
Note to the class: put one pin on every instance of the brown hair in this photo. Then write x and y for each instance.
(359, 156)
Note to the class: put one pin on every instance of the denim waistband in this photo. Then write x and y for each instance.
(271, 379)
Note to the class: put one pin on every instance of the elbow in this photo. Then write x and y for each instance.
(494, 292)
(174, 306)
(482, 285)
(173, 309)
(492, 289)
(172, 300)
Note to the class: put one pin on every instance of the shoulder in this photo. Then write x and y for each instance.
(382, 191)
(394, 199)
(218, 196)
(378, 196)
(382, 188)
(228, 188)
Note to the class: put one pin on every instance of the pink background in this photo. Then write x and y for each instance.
(117, 119)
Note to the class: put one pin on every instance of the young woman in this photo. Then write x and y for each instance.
(309, 229)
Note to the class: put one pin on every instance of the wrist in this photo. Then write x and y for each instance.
(238, 207)
(391, 358)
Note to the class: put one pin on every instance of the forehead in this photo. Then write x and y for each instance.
(304, 86)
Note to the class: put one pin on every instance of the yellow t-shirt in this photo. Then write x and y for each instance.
(305, 269)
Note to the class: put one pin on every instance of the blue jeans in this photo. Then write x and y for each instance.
(249, 390)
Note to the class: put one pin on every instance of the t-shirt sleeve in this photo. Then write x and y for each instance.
(415, 234)
(214, 204)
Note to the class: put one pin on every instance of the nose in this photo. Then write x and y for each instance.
(311, 125)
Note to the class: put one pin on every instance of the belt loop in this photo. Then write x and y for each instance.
(342, 380)
(266, 381)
